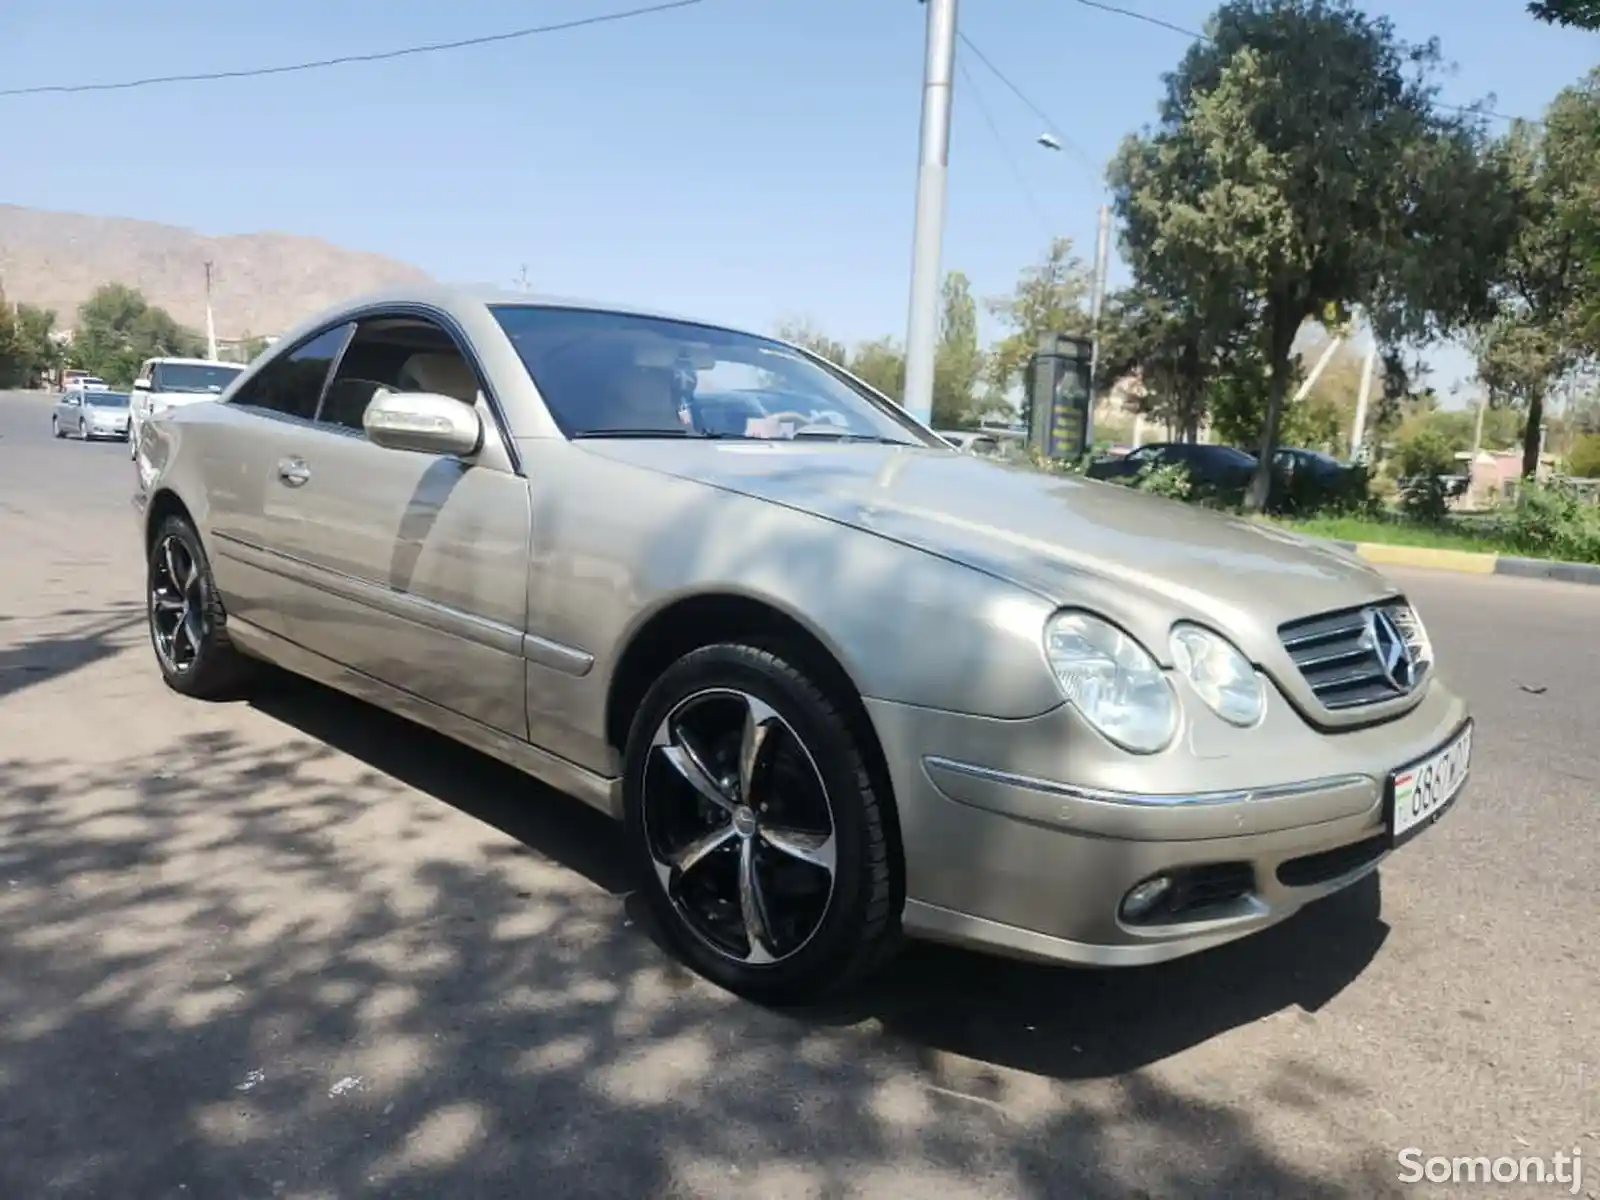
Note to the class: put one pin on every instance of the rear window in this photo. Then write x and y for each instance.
(194, 378)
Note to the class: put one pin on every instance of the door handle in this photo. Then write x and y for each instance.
(293, 471)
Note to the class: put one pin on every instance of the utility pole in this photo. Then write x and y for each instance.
(1097, 299)
(211, 325)
(1477, 432)
(1316, 371)
(922, 326)
(1359, 428)
(522, 279)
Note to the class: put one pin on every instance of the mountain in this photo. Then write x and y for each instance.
(262, 283)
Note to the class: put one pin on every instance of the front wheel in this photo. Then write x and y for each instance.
(55, 428)
(83, 430)
(186, 619)
(758, 829)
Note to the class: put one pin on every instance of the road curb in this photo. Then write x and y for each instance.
(1466, 562)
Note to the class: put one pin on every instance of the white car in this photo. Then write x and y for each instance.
(165, 383)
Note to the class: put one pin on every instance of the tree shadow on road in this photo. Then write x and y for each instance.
(250, 969)
(269, 969)
(43, 656)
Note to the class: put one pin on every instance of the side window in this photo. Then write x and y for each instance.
(402, 354)
(146, 373)
(292, 385)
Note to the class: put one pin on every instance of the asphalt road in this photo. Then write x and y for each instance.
(296, 948)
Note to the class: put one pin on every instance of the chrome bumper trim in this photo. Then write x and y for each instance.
(1183, 800)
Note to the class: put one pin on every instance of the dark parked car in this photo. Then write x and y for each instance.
(1310, 478)
(1220, 467)
(1295, 463)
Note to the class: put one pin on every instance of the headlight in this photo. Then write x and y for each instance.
(1221, 676)
(1112, 681)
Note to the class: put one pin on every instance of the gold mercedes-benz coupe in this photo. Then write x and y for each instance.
(842, 683)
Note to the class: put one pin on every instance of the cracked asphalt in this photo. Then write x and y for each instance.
(293, 947)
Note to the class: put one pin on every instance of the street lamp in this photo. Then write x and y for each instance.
(1097, 295)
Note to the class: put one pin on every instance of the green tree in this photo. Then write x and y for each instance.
(1299, 151)
(10, 348)
(958, 363)
(40, 354)
(881, 364)
(1580, 14)
(1542, 328)
(808, 337)
(1050, 297)
(118, 329)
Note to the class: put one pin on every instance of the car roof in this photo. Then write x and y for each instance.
(451, 297)
(175, 361)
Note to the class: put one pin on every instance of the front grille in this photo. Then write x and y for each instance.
(1342, 655)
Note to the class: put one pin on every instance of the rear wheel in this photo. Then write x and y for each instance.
(187, 628)
(757, 827)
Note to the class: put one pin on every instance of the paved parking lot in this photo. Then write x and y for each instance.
(296, 948)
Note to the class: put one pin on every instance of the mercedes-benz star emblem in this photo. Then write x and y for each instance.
(1389, 644)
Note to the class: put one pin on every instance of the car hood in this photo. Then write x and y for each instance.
(1056, 535)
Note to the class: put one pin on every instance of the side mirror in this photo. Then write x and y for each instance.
(425, 422)
(141, 385)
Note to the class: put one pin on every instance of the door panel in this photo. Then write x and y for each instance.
(415, 569)
(236, 449)
(262, 424)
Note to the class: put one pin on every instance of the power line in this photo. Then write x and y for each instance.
(1005, 147)
(1197, 35)
(1050, 125)
(509, 35)
(1146, 18)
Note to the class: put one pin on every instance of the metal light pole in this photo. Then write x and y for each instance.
(922, 327)
(1097, 301)
(211, 325)
(1097, 294)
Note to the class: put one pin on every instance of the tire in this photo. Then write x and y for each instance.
(83, 431)
(815, 942)
(55, 427)
(212, 669)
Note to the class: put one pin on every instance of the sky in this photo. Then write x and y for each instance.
(740, 161)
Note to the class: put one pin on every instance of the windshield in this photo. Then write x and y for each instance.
(193, 377)
(606, 374)
(106, 399)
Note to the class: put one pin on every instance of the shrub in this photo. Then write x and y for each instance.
(1425, 458)
(1550, 520)
(1584, 461)
(1171, 481)
(1301, 494)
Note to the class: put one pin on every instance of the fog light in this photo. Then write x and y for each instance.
(1145, 896)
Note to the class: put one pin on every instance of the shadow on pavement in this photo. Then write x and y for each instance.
(42, 657)
(1072, 1024)
(232, 969)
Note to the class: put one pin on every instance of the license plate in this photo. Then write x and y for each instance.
(1421, 792)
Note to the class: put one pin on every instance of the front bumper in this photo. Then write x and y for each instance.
(1002, 855)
